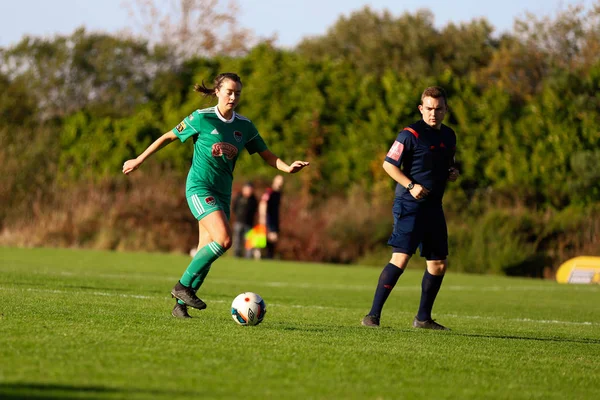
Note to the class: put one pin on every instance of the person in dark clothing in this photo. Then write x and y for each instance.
(269, 214)
(421, 161)
(245, 206)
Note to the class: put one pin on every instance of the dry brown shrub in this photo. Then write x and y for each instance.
(143, 213)
(139, 213)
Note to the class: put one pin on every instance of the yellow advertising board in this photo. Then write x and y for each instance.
(579, 270)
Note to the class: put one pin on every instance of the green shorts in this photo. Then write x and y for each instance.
(202, 204)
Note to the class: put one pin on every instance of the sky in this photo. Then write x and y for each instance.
(289, 20)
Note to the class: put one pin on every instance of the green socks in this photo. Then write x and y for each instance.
(196, 283)
(196, 272)
(200, 265)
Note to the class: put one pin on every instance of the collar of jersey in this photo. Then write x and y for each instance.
(222, 118)
(427, 127)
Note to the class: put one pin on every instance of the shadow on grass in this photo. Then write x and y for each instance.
(304, 328)
(41, 391)
(330, 329)
(492, 336)
(499, 336)
(538, 339)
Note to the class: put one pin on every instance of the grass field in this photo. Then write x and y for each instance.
(97, 325)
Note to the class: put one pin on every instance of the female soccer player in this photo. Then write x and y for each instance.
(219, 134)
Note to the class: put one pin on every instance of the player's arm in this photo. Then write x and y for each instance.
(418, 191)
(278, 163)
(453, 172)
(396, 173)
(394, 158)
(133, 164)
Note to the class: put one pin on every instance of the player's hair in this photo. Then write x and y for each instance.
(208, 91)
(436, 92)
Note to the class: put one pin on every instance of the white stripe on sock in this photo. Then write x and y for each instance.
(215, 249)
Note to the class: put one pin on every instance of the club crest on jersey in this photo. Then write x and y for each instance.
(210, 201)
(238, 136)
(180, 127)
(224, 149)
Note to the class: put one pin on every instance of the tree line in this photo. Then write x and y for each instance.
(525, 107)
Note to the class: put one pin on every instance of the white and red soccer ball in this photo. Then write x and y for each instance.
(248, 309)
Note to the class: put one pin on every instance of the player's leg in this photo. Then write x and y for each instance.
(387, 280)
(435, 249)
(212, 215)
(180, 309)
(218, 229)
(430, 286)
(404, 240)
(204, 239)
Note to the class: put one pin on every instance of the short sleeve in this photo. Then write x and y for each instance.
(255, 144)
(405, 142)
(186, 128)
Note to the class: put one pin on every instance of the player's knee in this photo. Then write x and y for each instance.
(400, 260)
(437, 267)
(225, 242)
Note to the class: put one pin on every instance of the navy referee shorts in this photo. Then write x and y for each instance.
(419, 224)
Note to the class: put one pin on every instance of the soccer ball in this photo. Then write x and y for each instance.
(248, 309)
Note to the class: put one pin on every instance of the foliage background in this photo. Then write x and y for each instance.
(525, 106)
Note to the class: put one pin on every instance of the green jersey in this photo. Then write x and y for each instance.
(217, 145)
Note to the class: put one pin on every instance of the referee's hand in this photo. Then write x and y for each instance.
(453, 174)
(419, 192)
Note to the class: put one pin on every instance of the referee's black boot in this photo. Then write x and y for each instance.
(371, 321)
(429, 324)
(188, 296)
(180, 311)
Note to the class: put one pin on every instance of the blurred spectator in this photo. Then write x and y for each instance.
(269, 214)
(256, 241)
(245, 206)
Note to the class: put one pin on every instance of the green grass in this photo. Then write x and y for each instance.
(97, 325)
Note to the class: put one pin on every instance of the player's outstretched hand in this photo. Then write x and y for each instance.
(453, 175)
(297, 166)
(131, 165)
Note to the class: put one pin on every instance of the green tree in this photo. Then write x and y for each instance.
(540, 45)
(373, 42)
(66, 74)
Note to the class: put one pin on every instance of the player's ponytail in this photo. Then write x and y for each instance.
(208, 91)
